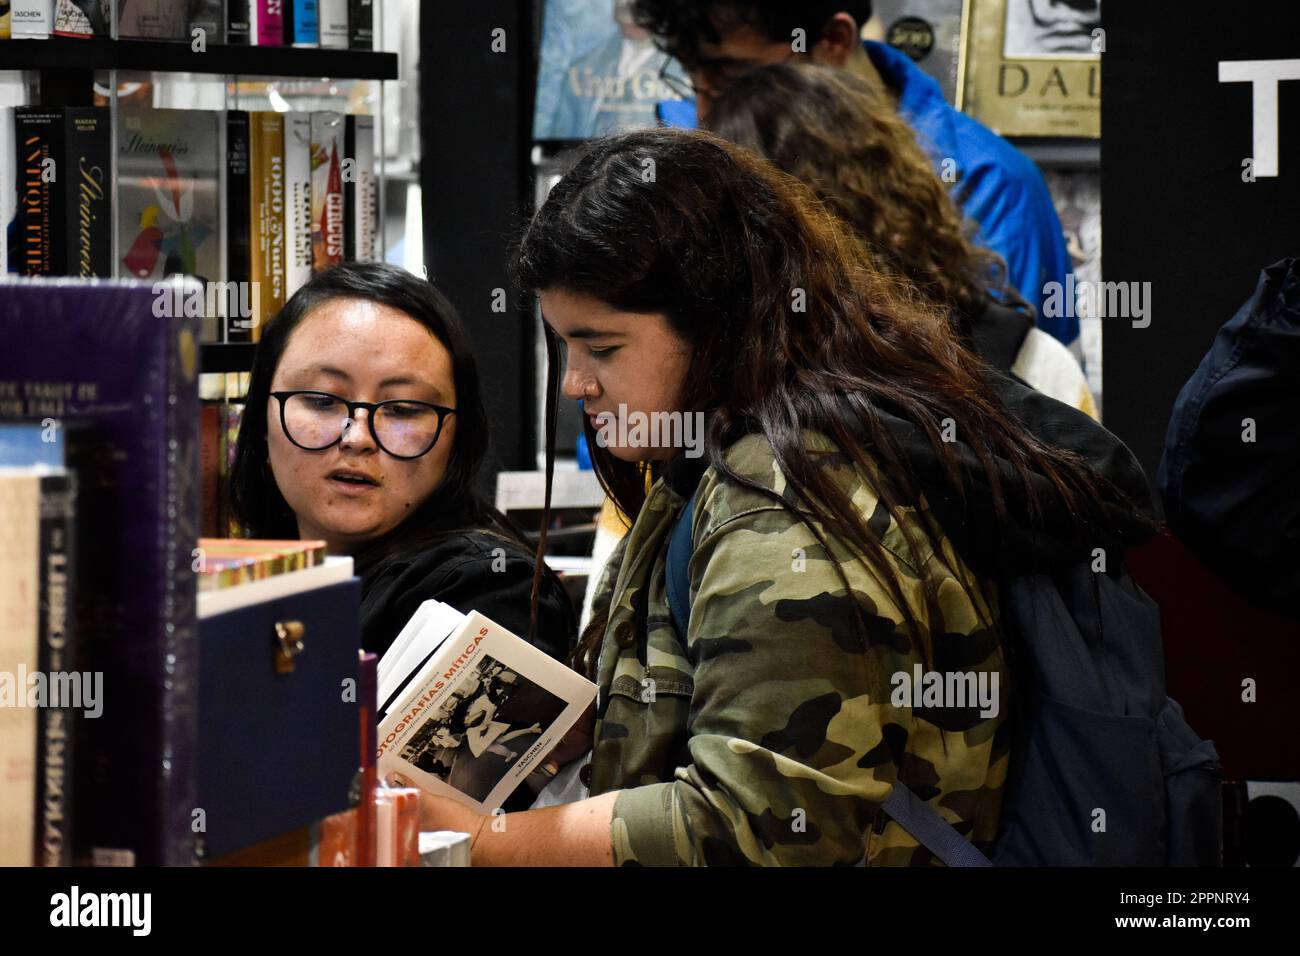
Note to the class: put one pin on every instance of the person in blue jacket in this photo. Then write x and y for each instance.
(996, 185)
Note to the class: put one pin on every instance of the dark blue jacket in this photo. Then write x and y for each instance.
(998, 187)
(1230, 475)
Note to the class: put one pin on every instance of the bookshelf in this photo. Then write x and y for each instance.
(62, 55)
(61, 72)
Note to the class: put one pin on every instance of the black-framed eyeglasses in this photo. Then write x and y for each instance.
(719, 76)
(403, 428)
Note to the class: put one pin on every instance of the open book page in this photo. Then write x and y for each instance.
(480, 715)
(431, 624)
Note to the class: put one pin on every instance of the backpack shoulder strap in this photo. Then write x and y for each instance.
(678, 576)
(931, 830)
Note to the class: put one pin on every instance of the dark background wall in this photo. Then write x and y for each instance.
(1175, 210)
(476, 121)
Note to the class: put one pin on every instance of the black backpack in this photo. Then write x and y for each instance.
(1104, 769)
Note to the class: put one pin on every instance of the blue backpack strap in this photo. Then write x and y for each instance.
(931, 830)
(678, 578)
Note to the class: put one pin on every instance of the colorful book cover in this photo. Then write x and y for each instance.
(239, 264)
(334, 23)
(297, 210)
(266, 22)
(301, 26)
(266, 215)
(153, 19)
(81, 18)
(361, 24)
(210, 17)
(237, 29)
(8, 197)
(31, 19)
(6, 20)
(326, 189)
(40, 244)
(87, 192)
(167, 184)
(112, 363)
(360, 191)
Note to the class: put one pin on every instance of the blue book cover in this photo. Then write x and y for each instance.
(104, 361)
(302, 22)
(598, 72)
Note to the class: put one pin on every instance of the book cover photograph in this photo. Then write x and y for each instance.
(153, 19)
(82, 18)
(1033, 67)
(468, 709)
(599, 72)
(929, 32)
(169, 216)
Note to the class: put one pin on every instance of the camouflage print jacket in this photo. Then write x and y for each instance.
(769, 735)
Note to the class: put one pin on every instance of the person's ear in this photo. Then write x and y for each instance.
(838, 41)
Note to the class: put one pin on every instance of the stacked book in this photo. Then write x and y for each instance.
(336, 24)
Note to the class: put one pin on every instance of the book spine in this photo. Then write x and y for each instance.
(73, 19)
(238, 235)
(9, 167)
(328, 222)
(19, 589)
(367, 697)
(301, 26)
(268, 21)
(87, 188)
(364, 217)
(56, 656)
(31, 19)
(153, 19)
(210, 17)
(237, 22)
(297, 191)
(210, 469)
(266, 226)
(334, 24)
(177, 619)
(38, 134)
(361, 24)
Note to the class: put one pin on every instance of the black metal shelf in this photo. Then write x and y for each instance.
(1060, 152)
(165, 56)
(226, 357)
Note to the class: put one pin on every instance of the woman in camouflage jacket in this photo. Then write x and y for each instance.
(733, 342)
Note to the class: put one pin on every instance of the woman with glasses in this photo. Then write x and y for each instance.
(364, 427)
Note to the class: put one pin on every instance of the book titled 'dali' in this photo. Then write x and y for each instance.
(467, 709)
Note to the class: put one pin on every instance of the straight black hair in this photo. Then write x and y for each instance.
(455, 505)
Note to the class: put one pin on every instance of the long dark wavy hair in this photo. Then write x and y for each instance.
(830, 129)
(455, 505)
(723, 243)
